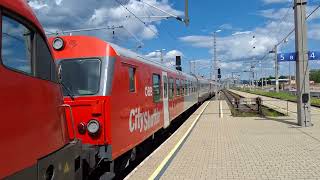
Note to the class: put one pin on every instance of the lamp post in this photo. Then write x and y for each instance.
(215, 63)
(275, 51)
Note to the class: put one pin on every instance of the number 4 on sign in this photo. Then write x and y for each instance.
(312, 56)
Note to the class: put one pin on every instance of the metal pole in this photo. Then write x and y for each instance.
(215, 59)
(290, 76)
(161, 56)
(276, 67)
(261, 75)
(215, 55)
(302, 71)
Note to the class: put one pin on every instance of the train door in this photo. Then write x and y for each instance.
(165, 100)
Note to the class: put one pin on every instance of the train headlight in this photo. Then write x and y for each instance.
(82, 128)
(93, 127)
(58, 44)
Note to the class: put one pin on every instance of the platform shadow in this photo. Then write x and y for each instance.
(285, 121)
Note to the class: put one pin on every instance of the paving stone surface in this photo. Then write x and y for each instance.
(241, 148)
(248, 148)
(145, 170)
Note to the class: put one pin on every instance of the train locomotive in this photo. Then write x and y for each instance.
(120, 98)
(34, 138)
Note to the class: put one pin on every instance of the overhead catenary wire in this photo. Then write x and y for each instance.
(285, 16)
(135, 37)
(85, 29)
(165, 29)
(163, 11)
(144, 23)
(292, 31)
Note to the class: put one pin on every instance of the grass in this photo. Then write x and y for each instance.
(280, 95)
(270, 112)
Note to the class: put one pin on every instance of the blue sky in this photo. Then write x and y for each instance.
(268, 20)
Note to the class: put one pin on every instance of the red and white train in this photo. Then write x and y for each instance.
(119, 98)
(34, 139)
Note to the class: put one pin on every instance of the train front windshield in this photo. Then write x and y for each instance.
(80, 77)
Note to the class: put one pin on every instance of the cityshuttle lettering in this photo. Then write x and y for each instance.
(143, 121)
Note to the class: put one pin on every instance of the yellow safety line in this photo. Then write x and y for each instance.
(168, 157)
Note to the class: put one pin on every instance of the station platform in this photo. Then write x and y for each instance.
(208, 146)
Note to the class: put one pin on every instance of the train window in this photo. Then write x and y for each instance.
(17, 42)
(186, 88)
(81, 76)
(194, 87)
(132, 79)
(156, 87)
(165, 86)
(45, 67)
(182, 87)
(171, 88)
(177, 87)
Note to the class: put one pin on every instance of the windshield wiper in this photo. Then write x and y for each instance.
(69, 92)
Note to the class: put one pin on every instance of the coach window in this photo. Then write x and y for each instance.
(171, 88)
(186, 88)
(132, 79)
(165, 86)
(182, 88)
(177, 87)
(17, 42)
(156, 87)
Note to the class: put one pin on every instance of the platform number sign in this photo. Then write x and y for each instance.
(282, 57)
(312, 55)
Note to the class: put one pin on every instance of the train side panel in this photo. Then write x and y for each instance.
(134, 116)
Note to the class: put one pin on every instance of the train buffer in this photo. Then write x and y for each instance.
(209, 147)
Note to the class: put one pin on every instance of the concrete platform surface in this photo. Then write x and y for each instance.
(239, 148)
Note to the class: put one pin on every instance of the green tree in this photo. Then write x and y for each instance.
(315, 75)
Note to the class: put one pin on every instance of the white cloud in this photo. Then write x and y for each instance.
(169, 58)
(314, 31)
(241, 32)
(287, 14)
(226, 26)
(77, 14)
(230, 65)
(37, 4)
(275, 1)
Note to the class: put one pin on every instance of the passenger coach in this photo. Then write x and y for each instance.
(119, 98)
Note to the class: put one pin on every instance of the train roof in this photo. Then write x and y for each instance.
(133, 55)
(102, 48)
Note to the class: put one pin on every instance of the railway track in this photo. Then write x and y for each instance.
(234, 100)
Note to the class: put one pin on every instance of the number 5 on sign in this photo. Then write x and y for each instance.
(281, 57)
